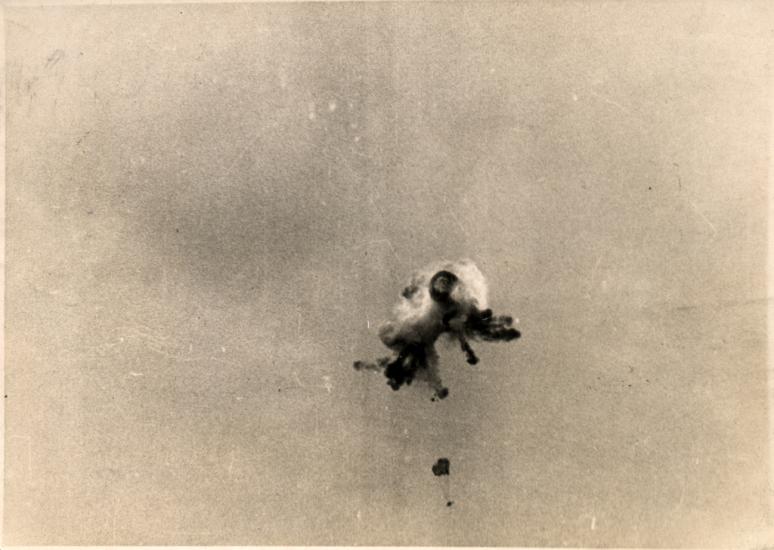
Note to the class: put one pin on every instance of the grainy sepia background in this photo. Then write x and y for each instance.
(210, 208)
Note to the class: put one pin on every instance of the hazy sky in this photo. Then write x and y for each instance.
(210, 209)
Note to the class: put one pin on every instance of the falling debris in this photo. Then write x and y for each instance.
(447, 298)
(441, 467)
(441, 470)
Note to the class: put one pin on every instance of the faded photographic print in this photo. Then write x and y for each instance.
(387, 274)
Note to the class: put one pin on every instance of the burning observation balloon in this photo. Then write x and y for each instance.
(443, 299)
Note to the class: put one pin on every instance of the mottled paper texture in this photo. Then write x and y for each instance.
(210, 210)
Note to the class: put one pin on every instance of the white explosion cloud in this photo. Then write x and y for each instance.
(446, 298)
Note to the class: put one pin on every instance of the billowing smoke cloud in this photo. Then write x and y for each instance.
(447, 298)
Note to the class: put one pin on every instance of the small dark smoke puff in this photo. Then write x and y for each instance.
(482, 325)
(441, 467)
(412, 360)
(441, 301)
(403, 369)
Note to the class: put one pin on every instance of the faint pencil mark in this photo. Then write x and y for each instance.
(84, 136)
(679, 179)
(681, 501)
(54, 58)
(703, 217)
(715, 304)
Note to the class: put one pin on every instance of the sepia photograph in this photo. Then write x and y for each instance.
(435, 274)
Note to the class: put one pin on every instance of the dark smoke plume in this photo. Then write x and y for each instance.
(441, 467)
(446, 299)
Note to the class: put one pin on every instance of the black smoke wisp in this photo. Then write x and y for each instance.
(446, 299)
